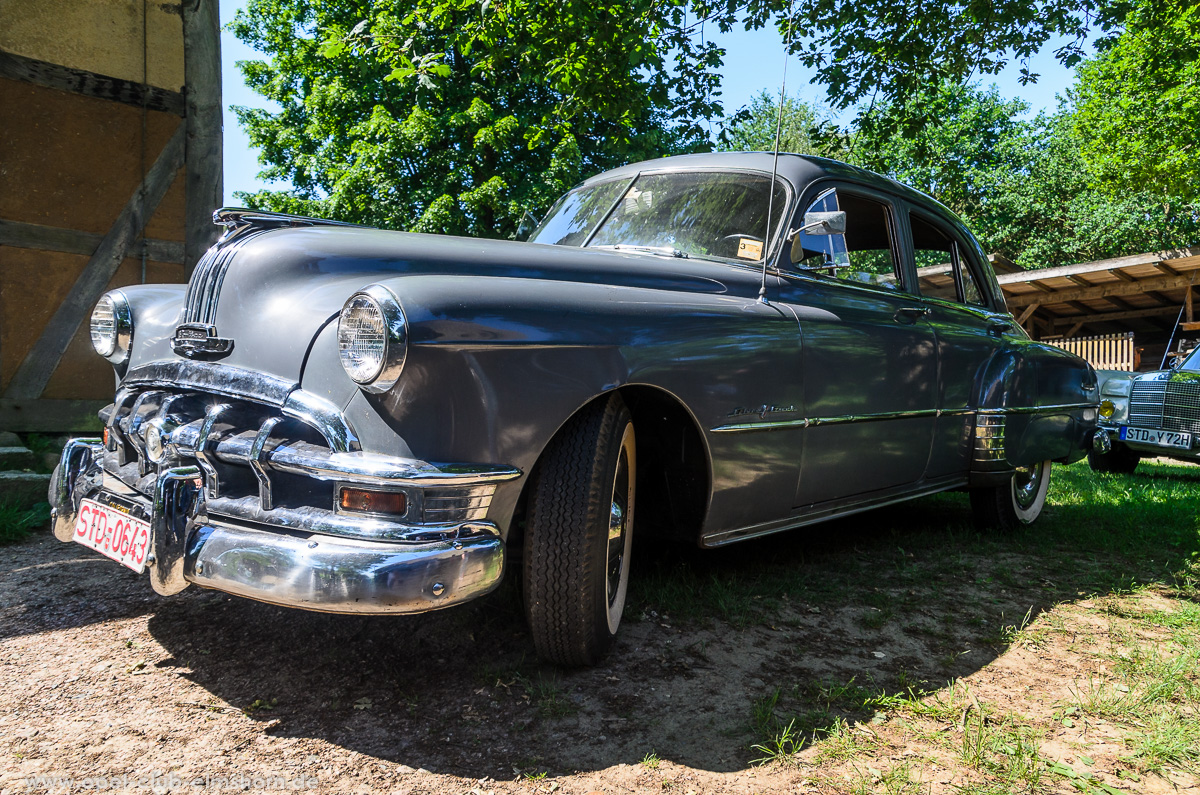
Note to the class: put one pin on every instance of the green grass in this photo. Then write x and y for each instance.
(18, 520)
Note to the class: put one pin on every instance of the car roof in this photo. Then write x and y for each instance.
(799, 170)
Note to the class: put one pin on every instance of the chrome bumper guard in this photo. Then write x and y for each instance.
(294, 566)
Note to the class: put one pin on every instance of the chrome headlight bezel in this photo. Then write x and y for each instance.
(395, 339)
(115, 342)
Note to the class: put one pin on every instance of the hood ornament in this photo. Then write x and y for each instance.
(200, 341)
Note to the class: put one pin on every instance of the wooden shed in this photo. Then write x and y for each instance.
(110, 168)
(1138, 308)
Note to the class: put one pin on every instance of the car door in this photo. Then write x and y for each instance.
(868, 353)
(968, 323)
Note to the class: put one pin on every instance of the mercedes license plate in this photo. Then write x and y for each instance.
(1156, 437)
(110, 532)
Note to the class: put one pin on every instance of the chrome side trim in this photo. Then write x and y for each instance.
(1039, 409)
(806, 422)
(339, 575)
(177, 497)
(211, 481)
(776, 425)
(723, 537)
(265, 498)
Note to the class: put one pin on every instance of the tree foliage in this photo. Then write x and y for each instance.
(753, 128)
(1138, 103)
(457, 116)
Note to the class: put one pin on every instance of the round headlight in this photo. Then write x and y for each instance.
(1107, 408)
(112, 327)
(372, 338)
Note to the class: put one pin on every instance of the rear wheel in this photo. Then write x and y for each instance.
(1017, 503)
(579, 534)
(1120, 460)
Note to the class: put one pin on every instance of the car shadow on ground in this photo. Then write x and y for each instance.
(461, 691)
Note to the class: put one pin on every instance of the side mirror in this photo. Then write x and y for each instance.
(830, 223)
(817, 223)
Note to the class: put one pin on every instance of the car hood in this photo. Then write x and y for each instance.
(276, 292)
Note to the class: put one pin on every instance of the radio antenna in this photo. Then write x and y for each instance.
(787, 40)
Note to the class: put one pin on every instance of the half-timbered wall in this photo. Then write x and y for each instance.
(110, 168)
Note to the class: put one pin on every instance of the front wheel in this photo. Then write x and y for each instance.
(1017, 503)
(579, 534)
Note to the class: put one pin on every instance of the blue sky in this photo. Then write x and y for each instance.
(753, 61)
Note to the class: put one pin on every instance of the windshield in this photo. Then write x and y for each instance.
(712, 215)
(1191, 361)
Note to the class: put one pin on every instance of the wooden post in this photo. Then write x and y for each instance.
(204, 189)
(1187, 304)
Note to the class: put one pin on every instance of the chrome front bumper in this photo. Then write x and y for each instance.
(292, 565)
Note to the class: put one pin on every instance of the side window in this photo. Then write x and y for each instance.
(942, 269)
(865, 254)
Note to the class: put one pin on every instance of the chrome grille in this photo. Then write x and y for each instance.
(1146, 404)
(1181, 407)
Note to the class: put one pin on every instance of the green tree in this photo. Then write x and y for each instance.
(1049, 209)
(753, 128)
(962, 141)
(457, 116)
(1138, 103)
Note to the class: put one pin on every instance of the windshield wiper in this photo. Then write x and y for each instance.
(666, 251)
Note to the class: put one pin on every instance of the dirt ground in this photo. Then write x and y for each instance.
(103, 678)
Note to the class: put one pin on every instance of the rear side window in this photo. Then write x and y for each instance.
(865, 254)
(942, 267)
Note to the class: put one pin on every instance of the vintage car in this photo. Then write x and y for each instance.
(709, 348)
(1149, 414)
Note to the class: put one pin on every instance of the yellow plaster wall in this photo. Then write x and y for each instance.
(101, 36)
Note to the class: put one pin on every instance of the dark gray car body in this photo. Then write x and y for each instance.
(752, 416)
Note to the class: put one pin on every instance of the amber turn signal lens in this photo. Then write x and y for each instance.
(374, 501)
(1107, 408)
(106, 438)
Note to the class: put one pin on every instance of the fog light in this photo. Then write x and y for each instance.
(154, 443)
(1107, 409)
(374, 501)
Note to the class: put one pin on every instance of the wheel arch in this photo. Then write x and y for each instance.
(674, 481)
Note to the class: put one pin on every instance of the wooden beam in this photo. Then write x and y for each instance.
(1029, 310)
(1082, 282)
(1074, 330)
(1108, 317)
(1104, 290)
(1187, 304)
(34, 372)
(1165, 268)
(203, 189)
(89, 84)
(51, 416)
(1108, 265)
(73, 241)
(1122, 275)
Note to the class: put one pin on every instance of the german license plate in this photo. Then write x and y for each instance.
(110, 532)
(1160, 438)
